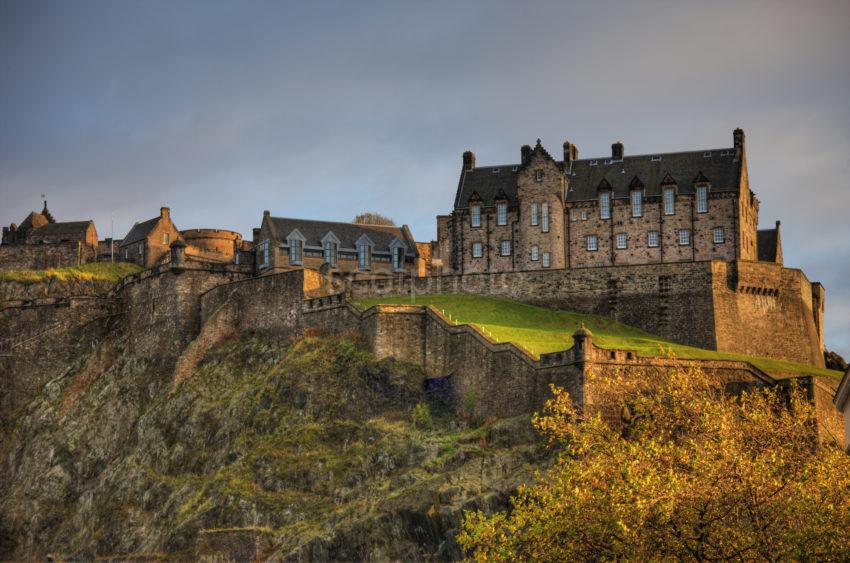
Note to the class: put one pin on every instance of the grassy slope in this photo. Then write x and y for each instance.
(542, 330)
(96, 271)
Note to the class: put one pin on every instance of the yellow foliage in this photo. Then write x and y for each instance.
(676, 468)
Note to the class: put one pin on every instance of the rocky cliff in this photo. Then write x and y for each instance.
(305, 450)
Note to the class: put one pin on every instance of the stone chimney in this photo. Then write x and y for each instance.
(468, 161)
(525, 154)
(617, 151)
(164, 212)
(570, 152)
(738, 138)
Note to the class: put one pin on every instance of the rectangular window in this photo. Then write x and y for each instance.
(535, 253)
(141, 247)
(622, 240)
(605, 205)
(684, 237)
(477, 250)
(652, 239)
(398, 258)
(164, 238)
(702, 199)
(719, 235)
(538, 175)
(592, 242)
(584, 215)
(476, 215)
(637, 203)
(364, 256)
(296, 251)
(505, 248)
(263, 253)
(545, 217)
(534, 214)
(126, 254)
(502, 214)
(669, 201)
(574, 215)
(547, 259)
(330, 253)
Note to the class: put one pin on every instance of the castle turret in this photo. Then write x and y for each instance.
(582, 340)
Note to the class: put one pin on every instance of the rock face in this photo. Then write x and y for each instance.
(298, 451)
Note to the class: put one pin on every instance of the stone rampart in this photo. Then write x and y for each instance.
(44, 256)
(743, 307)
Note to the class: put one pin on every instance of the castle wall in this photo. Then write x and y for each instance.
(44, 256)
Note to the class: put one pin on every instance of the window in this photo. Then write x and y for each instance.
(669, 201)
(545, 210)
(684, 237)
(496, 170)
(652, 239)
(605, 205)
(329, 252)
(364, 256)
(592, 242)
(538, 176)
(164, 238)
(263, 253)
(637, 203)
(656, 158)
(126, 254)
(505, 248)
(477, 250)
(534, 214)
(702, 199)
(476, 215)
(296, 251)
(535, 253)
(141, 249)
(547, 259)
(719, 235)
(398, 259)
(622, 240)
(502, 214)
(584, 215)
(574, 215)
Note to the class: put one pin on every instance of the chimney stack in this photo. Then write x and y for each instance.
(617, 151)
(468, 161)
(164, 212)
(525, 154)
(570, 152)
(738, 138)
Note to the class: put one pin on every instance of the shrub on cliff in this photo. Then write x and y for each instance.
(681, 471)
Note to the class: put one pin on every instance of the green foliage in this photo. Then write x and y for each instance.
(421, 417)
(674, 468)
(95, 271)
(541, 330)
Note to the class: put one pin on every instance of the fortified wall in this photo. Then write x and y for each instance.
(743, 307)
(44, 256)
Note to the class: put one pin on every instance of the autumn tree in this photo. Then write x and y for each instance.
(373, 218)
(673, 467)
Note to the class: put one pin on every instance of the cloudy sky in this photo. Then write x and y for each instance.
(310, 109)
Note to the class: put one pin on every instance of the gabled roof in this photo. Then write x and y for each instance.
(33, 221)
(347, 233)
(768, 245)
(721, 169)
(66, 228)
(140, 231)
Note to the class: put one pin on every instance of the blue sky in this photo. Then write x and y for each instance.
(321, 109)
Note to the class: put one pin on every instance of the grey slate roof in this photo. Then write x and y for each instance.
(347, 233)
(140, 231)
(767, 245)
(723, 172)
(66, 228)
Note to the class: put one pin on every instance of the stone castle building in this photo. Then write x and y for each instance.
(361, 250)
(41, 242)
(544, 213)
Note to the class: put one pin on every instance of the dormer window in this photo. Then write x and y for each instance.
(496, 170)
(364, 256)
(501, 213)
(545, 210)
(475, 215)
(329, 252)
(637, 203)
(296, 251)
(398, 259)
(702, 199)
(605, 205)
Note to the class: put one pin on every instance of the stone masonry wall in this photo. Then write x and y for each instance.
(44, 256)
